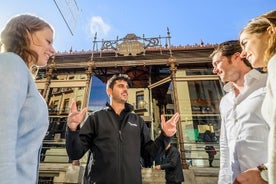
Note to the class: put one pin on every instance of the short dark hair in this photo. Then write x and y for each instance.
(229, 48)
(110, 83)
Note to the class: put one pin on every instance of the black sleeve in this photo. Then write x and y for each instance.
(150, 147)
(171, 158)
(79, 141)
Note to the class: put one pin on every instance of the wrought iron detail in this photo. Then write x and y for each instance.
(131, 44)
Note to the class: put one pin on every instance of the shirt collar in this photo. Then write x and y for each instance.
(248, 79)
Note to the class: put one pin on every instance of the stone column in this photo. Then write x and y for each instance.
(49, 73)
(88, 72)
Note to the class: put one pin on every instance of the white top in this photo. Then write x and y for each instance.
(269, 112)
(243, 139)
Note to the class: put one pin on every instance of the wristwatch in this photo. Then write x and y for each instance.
(263, 172)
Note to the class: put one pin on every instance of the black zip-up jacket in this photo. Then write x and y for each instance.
(173, 168)
(116, 143)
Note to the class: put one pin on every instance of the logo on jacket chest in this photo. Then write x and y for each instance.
(132, 124)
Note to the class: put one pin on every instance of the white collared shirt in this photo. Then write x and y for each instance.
(244, 132)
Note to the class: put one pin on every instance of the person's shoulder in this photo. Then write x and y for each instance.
(227, 95)
(99, 111)
(272, 65)
(10, 59)
(173, 147)
(13, 66)
(227, 98)
(257, 82)
(11, 56)
(256, 75)
(260, 74)
(129, 107)
(273, 59)
(136, 116)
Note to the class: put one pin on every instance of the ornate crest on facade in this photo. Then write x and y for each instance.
(130, 46)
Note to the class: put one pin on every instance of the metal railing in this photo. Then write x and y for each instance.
(197, 156)
(54, 152)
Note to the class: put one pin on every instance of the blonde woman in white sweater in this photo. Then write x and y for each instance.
(258, 40)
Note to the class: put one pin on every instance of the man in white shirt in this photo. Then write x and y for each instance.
(244, 132)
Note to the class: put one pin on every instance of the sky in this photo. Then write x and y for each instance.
(189, 22)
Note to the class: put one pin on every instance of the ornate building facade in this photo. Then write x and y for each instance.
(166, 79)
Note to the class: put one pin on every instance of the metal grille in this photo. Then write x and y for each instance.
(46, 180)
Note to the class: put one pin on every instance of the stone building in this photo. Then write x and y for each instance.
(166, 79)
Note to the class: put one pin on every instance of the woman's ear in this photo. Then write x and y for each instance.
(271, 30)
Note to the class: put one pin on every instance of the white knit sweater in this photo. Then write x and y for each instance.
(269, 112)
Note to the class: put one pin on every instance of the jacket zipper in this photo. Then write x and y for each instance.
(120, 136)
(120, 156)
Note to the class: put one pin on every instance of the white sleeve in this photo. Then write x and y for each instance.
(225, 170)
(272, 135)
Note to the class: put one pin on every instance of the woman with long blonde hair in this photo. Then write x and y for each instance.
(258, 40)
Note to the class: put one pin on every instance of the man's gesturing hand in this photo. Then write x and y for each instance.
(169, 127)
(75, 117)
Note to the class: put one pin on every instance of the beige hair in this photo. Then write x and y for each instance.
(15, 36)
(264, 24)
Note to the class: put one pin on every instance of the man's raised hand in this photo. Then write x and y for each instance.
(169, 127)
(75, 117)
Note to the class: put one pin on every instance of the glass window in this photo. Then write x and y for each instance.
(140, 103)
(204, 98)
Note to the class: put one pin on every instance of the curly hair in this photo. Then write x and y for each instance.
(15, 37)
(110, 83)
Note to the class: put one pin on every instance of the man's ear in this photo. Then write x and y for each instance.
(108, 91)
(237, 56)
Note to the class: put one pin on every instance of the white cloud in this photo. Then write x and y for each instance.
(98, 25)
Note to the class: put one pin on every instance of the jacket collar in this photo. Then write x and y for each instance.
(128, 107)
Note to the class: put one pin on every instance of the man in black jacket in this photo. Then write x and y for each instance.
(173, 168)
(115, 137)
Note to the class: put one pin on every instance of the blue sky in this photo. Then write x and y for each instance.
(213, 21)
